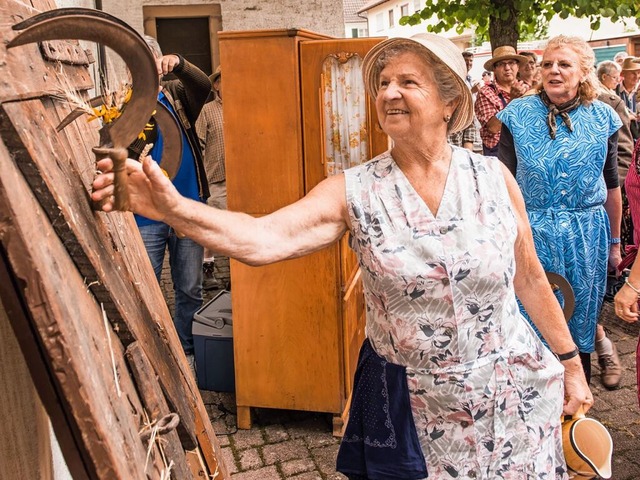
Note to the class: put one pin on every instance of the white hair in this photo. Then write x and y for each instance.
(619, 56)
(154, 46)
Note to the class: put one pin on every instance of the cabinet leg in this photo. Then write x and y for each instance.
(338, 426)
(340, 421)
(243, 417)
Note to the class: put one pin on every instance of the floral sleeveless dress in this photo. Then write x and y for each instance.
(485, 394)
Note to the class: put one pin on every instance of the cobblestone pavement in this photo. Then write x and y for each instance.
(287, 444)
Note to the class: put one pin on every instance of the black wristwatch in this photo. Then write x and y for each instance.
(569, 355)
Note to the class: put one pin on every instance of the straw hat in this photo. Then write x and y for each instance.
(505, 52)
(215, 75)
(631, 63)
(445, 51)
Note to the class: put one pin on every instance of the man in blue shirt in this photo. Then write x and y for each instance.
(185, 98)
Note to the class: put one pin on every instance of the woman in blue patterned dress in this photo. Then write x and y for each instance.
(451, 380)
(561, 145)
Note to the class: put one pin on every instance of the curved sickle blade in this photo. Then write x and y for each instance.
(171, 140)
(124, 41)
(166, 122)
(566, 290)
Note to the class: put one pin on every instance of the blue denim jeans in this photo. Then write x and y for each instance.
(185, 259)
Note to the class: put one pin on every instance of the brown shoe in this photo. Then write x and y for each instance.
(610, 369)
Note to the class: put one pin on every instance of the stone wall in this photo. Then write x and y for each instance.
(321, 16)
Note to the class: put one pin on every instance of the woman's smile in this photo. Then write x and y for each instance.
(396, 111)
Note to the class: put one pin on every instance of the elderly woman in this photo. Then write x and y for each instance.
(451, 381)
(561, 145)
(528, 71)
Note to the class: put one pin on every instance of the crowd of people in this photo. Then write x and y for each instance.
(553, 171)
(468, 363)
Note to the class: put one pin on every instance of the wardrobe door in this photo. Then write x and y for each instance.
(340, 130)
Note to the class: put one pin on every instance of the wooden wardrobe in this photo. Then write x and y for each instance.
(297, 325)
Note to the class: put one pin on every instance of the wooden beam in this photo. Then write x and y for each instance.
(70, 327)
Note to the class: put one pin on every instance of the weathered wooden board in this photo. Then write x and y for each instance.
(156, 407)
(25, 450)
(30, 76)
(70, 326)
(108, 253)
(38, 366)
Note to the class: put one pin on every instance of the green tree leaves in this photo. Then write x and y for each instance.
(531, 17)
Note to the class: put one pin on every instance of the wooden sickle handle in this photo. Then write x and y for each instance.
(120, 191)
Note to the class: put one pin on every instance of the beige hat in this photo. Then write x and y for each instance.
(505, 52)
(631, 63)
(215, 75)
(445, 51)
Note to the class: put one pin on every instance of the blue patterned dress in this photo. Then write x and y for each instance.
(564, 192)
(485, 395)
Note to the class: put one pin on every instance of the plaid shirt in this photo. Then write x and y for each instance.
(209, 128)
(488, 103)
(468, 135)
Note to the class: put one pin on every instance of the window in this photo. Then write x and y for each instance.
(379, 22)
(363, 32)
(417, 5)
(354, 33)
(391, 21)
(404, 10)
(179, 34)
(166, 23)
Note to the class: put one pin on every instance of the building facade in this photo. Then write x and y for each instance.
(355, 24)
(190, 27)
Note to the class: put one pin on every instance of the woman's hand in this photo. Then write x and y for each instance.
(151, 193)
(615, 257)
(518, 89)
(576, 390)
(626, 304)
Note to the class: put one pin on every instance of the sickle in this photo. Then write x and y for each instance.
(166, 122)
(171, 140)
(557, 281)
(91, 25)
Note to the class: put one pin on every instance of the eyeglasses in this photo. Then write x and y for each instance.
(505, 63)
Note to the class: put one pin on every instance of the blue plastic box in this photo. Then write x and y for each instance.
(213, 344)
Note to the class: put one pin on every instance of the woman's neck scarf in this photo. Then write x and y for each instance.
(561, 110)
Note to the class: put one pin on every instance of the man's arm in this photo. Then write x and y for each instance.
(192, 87)
(485, 109)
